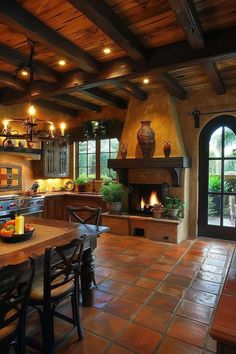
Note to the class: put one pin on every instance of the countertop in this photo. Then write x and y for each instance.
(71, 194)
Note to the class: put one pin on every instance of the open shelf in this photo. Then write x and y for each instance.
(33, 154)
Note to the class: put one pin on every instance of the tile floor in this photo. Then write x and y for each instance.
(152, 297)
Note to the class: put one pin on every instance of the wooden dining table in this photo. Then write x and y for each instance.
(54, 233)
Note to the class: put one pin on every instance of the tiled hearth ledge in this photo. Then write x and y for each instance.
(166, 230)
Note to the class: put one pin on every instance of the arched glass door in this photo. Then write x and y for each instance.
(217, 179)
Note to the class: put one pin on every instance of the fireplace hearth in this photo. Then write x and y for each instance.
(142, 197)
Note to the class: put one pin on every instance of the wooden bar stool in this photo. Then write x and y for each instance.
(15, 285)
(59, 280)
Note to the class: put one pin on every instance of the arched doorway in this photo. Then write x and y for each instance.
(217, 179)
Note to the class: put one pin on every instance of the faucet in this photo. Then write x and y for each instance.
(34, 187)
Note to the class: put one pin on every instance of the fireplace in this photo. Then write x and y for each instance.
(142, 197)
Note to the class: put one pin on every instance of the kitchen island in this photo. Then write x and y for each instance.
(54, 233)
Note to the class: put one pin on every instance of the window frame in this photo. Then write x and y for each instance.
(97, 155)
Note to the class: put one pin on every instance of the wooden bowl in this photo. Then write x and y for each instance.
(17, 238)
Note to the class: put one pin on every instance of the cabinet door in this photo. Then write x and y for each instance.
(49, 155)
(63, 157)
(56, 160)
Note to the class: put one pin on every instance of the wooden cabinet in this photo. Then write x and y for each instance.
(55, 161)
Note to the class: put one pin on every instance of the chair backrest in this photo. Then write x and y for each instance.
(62, 265)
(84, 215)
(15, 286)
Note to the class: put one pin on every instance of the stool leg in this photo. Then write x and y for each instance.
(75, 309)
(47, 330)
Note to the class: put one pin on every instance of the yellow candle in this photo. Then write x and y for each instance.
(19, 225)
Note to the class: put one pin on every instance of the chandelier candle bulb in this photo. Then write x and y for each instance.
(51, 128)
(32, 112)
(5, 124)
(63, 127)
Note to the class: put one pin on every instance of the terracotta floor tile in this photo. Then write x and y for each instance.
(86, 313)
(216, 278)
(101, 299)
(155, 274)
(197, 252)
(106, 325)
(136, 293)
(140, 339)
(124, 276)
(212, 269)
(178, 279)
(172, 346)
(172, 289)
(113, 287)
(99, 279)
(215, 262)
(163, 301)
(189, 264)
(191, 257)
(122, 307)
(166, 260)
(164, 267)
(103, 271)
(153, 318)
(117, 349)
(91, 343)
(195, 311)
(201, 297)
(188, 331)
(135, 268)
(114, 264)
(147, 283)
(184, 271)
(208, 286)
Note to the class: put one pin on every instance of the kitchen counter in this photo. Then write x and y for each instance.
(72, 194)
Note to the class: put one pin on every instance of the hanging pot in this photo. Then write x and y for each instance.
(146, 137)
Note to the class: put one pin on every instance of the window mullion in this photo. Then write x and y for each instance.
(98, 151)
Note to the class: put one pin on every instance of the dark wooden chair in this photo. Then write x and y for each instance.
(85, 215)
(15, 285)
(59, 280)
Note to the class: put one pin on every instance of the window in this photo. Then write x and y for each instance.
(93, 156)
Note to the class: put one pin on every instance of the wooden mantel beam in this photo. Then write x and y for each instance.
(215, 78)
(57, 107)
(16, 17)
(172, 86)
(74, 102)
(188, 18)
(101, 14)
(219, 46)
(106, 97)
(133, 90)
(9, 81)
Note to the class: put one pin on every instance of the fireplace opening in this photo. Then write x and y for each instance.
(143, 197)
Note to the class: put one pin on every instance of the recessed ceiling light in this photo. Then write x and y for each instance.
(106, 50)
(24, 73)
(62, 62)
(146, 81)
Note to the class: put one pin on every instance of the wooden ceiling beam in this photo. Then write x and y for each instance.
(106, 97)
(133, 90)
(74, 102)
(57, 107)
(13, 57)
(102, 15)
(172, 86)
(16, 17)
(12, 82)
(188, 18)
(219, 46)
(214, 77)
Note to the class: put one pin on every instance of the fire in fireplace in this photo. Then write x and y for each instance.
(143, 197)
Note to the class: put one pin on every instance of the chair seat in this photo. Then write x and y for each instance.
(36, 293)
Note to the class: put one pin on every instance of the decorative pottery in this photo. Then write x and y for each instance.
(146, 137)
(167, 148)
(123, 150)
(114, 207)
(173, 213)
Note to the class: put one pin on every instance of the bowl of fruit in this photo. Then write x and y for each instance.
(8, 232)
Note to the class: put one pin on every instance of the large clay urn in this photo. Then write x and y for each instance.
(146, 137)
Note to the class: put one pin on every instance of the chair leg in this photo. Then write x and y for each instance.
(75, 311)
(94, 281)
(47, 331)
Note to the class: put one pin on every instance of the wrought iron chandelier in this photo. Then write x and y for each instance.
(31, 135)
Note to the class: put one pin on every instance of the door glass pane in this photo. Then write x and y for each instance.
(103, 159)
(91, 159)
(82, 160)
(214, 180)
(214, 208)
(229, 211)
(215, 144)
(230, 143)
(230, 176)
(105, 145)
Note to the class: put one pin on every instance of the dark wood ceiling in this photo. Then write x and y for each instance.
(180, 45)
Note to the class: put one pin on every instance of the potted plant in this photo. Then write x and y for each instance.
(81, 181)
(112, 194)
(173, 206)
